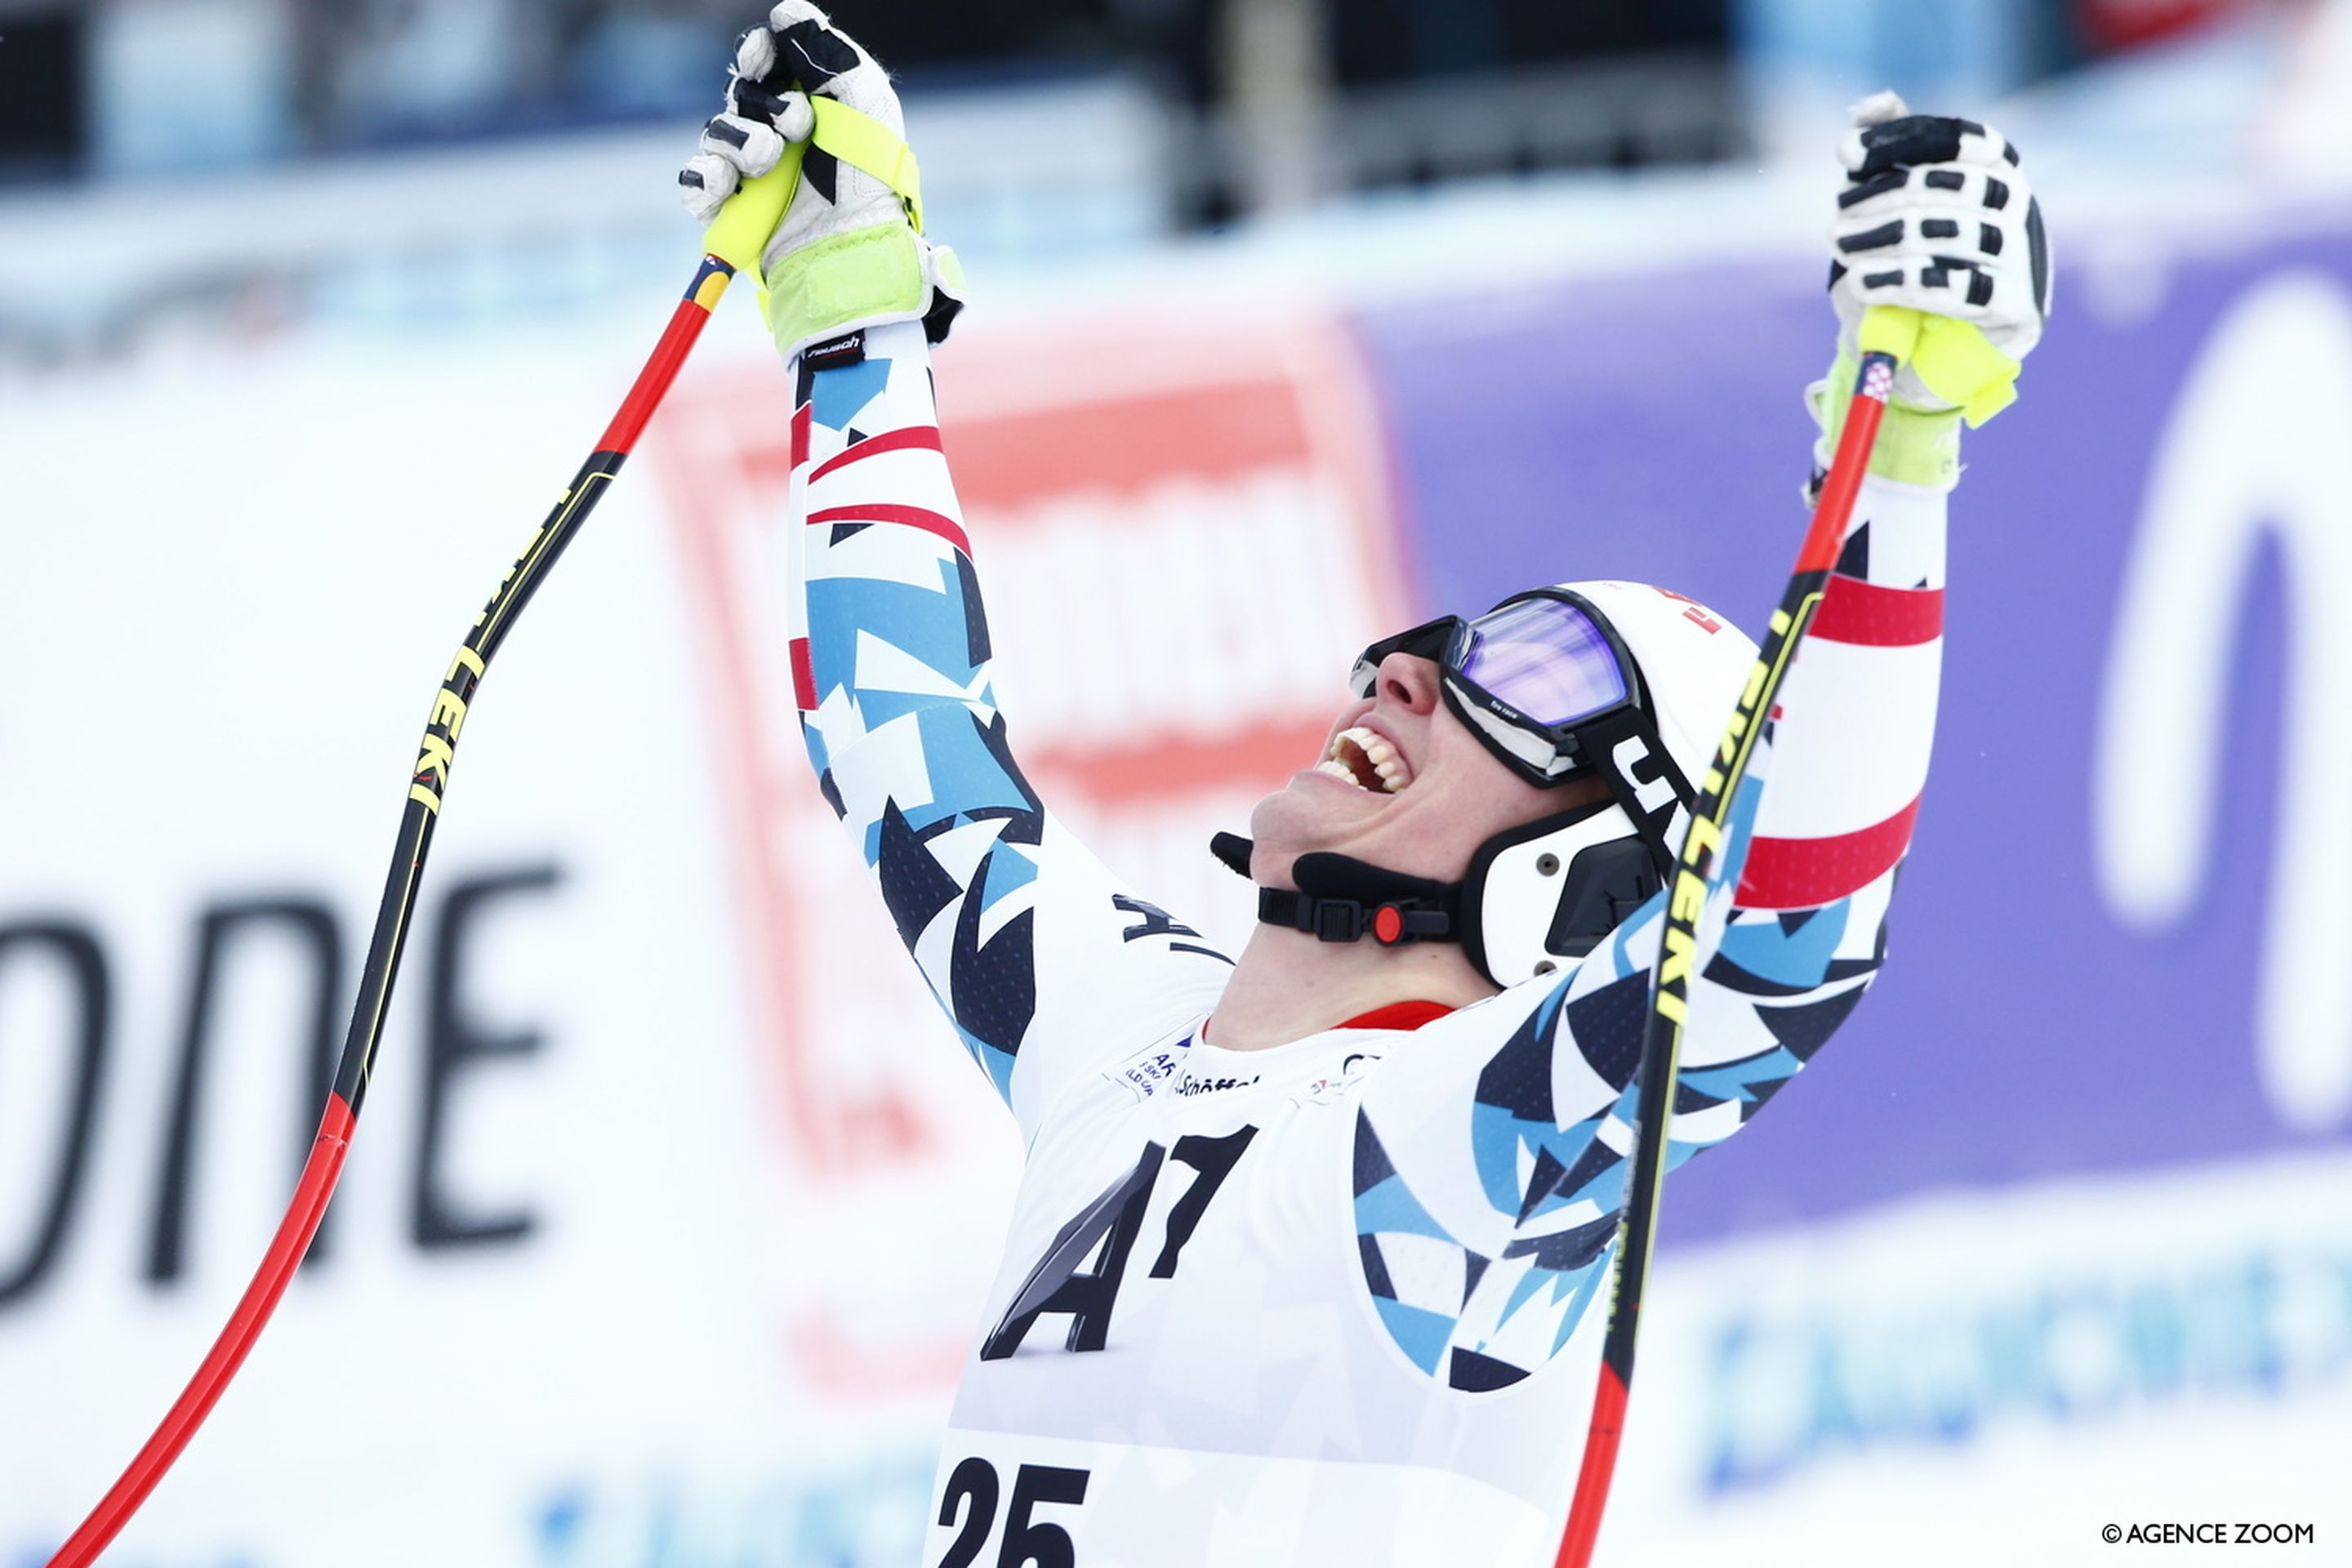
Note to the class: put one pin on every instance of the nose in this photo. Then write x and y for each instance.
(1408, 682)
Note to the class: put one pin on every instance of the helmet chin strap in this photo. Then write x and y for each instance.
(1342, 899)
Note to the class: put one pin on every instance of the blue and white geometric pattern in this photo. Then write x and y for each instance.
(902, 727)
(1532, 1194)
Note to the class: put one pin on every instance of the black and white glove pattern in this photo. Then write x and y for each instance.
(747, 137)
(849, 248)
(1937, 217)
(796, 52)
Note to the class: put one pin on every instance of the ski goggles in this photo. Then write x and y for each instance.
(1528, 677)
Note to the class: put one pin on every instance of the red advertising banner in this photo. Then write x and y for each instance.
(2120, 24)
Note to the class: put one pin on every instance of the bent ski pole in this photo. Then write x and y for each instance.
(1887, 338)
(731, 243)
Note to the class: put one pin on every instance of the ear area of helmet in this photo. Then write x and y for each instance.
(1541, 894)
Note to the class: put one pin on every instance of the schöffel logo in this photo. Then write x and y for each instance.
(1191, 1086)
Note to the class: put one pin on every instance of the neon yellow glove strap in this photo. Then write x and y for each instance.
(1890, 330)
(1952, 359)
(867, 274)
(863, 142)
(1915, 445)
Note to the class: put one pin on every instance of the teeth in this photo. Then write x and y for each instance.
(1387, 765)
(1386, 762)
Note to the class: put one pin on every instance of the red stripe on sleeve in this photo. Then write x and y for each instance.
(1806, 873)
(803, 676)
(801, 417)
(1854, 611)
(930, 522)
(923, 437)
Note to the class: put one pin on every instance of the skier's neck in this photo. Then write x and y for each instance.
(1288, 985)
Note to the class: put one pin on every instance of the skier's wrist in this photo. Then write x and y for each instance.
(865, 278)
(1914, 446)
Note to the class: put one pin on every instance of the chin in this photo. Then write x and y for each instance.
(1282, 828)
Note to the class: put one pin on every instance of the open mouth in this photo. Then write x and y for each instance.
(1360, 757)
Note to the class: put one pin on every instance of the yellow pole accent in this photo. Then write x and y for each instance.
(741, 231)
(1952, 358)
(1889, 330)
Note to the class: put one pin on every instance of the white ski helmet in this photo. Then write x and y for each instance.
(1549, 891)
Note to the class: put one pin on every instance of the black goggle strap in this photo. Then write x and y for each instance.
(1626, 751)
(1431, 640)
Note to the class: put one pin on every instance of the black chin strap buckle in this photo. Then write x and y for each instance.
(1348, 920)
(1416, 909)
(1334, 919)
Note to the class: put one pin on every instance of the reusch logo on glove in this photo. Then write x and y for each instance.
(840, 353)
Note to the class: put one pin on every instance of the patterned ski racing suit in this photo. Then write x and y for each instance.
(1330, 1302)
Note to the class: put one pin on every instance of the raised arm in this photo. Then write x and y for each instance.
(1047, 967)
(1525, 1208)
(1936, 216)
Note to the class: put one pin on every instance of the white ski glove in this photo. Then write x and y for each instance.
(1937, 217)
(849, 251)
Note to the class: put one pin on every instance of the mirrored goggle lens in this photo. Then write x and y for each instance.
(1546, 658)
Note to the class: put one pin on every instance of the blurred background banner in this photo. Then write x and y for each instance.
(1296, 320)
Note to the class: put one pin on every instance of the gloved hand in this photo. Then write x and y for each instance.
(1936, 217)
(849, 251)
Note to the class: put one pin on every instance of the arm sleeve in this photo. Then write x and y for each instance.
(1047, 966)
(1489, 1158)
